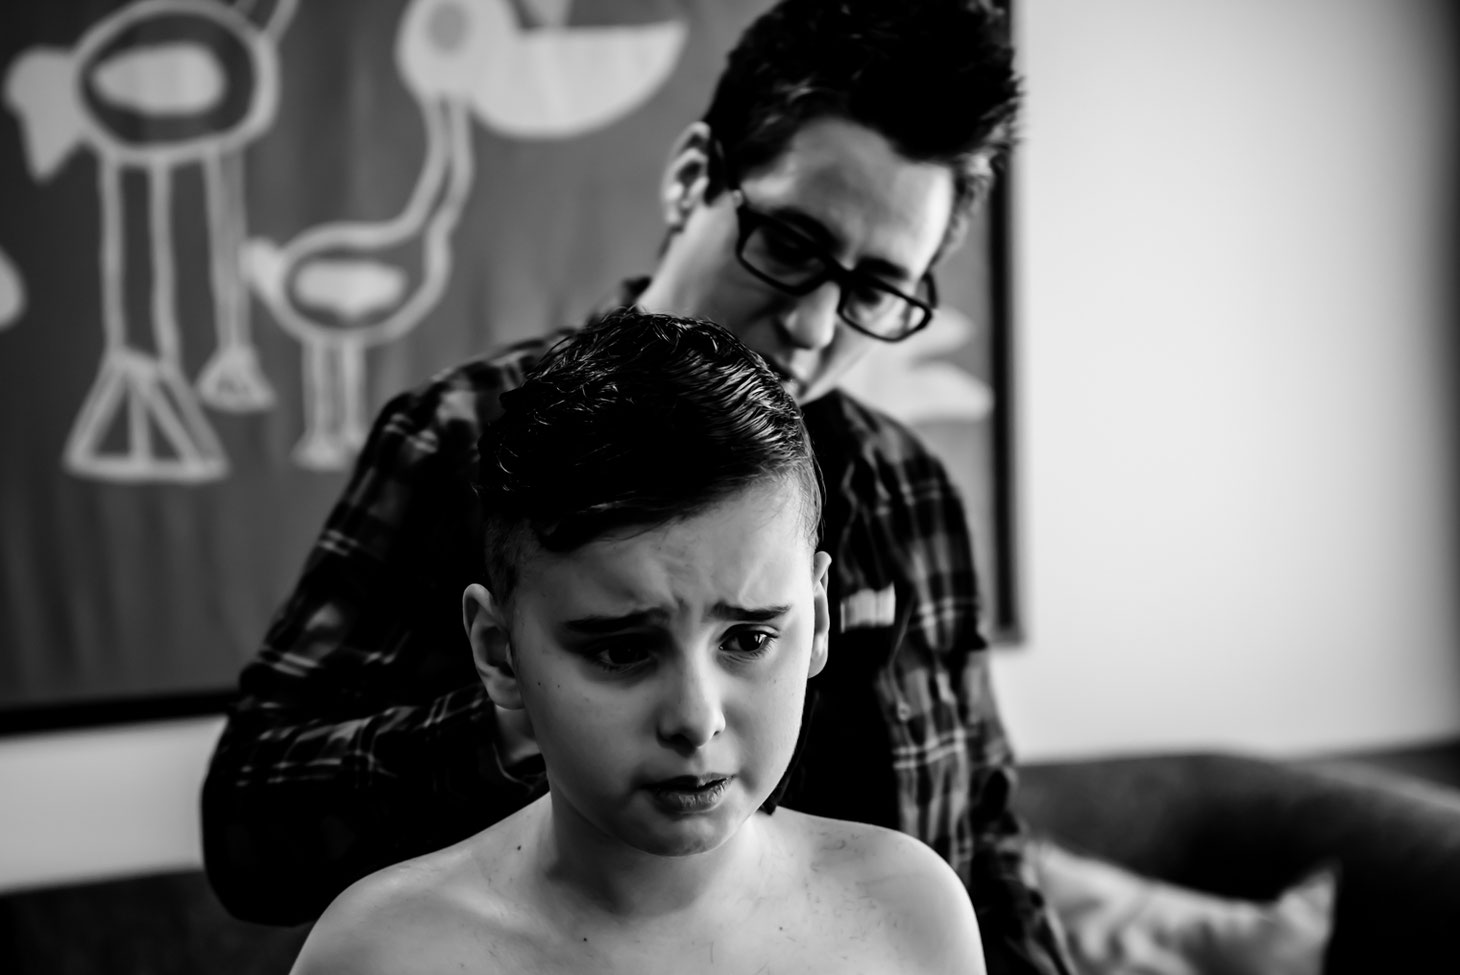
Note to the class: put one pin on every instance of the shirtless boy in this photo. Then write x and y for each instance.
(653, 605)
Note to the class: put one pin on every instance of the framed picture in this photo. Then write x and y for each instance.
(231, 231)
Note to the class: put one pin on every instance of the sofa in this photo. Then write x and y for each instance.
(1232, 825)
(1248, 828)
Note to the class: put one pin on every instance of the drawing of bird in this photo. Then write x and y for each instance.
(155, 86)
(548, 81)
(342, 287)
(345, 286)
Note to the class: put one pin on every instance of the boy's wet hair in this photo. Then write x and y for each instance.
(934, 77)
(633, 422)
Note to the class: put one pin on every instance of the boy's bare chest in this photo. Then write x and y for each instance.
(805, 939)
(748, 954)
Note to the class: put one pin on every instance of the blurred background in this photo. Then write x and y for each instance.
(1235, 419)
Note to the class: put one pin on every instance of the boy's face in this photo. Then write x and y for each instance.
(873, 209)
(664, 672)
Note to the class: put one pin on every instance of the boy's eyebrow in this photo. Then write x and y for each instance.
(763, 614)
(592, 625)
(727, 612)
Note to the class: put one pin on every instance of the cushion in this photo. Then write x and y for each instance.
(1119, 923)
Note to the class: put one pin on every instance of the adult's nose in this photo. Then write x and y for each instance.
(691, 709)
(811, 321)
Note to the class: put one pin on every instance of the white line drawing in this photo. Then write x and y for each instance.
(12, 292)
(550, 81)
(328, 288)
(165, 63)
(912, 380)
(334, 287)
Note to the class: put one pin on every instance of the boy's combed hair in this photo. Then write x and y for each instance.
(634, 422)
(934, 77)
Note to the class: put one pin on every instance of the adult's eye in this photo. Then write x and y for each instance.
(872, 302)
(788, 248)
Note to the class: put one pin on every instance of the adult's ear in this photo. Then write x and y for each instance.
(821, 635)
(686, 177)
(491, 648)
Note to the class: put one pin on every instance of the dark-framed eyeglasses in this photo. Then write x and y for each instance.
(792, 261)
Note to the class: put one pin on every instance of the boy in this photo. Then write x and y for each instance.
(654, 605)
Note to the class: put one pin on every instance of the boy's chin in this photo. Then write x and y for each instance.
(690, 836)
(680, 847)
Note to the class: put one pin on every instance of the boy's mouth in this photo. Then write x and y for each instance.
(689, 793)
(690, 781)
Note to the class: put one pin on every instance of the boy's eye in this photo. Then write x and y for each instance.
(619, 656)
(750, 643)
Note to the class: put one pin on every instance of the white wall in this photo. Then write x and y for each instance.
(1236, 232)
(1238, 497)
(102, 803)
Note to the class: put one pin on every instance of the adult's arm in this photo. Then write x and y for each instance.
(361, 735)
(1019, 937)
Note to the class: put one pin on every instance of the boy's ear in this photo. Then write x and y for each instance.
(821, 637)
(687, 175)
(491, 648)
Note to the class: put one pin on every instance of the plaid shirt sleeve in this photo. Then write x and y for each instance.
(951, 754)
(361, 735)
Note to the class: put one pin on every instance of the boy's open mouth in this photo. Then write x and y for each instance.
(689, 793)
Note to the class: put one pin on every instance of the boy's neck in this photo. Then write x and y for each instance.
(592, 872)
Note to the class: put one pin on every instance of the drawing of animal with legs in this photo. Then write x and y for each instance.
(155, 86)
(231, 379)
(345, 286)
(342, 287)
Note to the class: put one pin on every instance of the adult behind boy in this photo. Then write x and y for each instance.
(843, 148)
(654, 604)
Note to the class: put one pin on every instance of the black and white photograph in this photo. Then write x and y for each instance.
(729, 486)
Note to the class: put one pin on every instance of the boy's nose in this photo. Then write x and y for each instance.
(691, 713)
(811, 321)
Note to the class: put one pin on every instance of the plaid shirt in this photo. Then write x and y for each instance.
(362, 735)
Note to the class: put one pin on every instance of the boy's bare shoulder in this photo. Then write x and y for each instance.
(910, 896)
(868, 854)
(422, 915)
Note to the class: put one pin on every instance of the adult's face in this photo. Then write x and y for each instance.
(873, 210)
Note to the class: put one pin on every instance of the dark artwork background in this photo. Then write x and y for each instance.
(229, 233)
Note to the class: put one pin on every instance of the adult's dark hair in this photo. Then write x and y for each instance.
(633, 422)
(933, 77)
